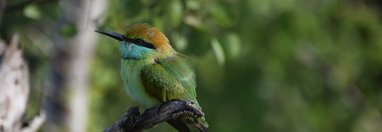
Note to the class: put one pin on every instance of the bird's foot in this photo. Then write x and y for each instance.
(189, 110)
(134, 121)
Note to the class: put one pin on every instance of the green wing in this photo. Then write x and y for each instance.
(169, 78)
(172, 78)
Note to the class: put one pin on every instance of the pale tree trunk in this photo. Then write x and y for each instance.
(14, 90)
(70, 66)
(83, 14)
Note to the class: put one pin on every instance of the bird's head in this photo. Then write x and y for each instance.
(142, 41)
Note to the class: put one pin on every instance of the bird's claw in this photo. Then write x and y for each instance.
(182, 108)
(190, 111)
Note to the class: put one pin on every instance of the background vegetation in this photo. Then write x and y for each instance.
(262, 65)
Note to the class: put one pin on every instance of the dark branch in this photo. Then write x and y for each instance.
(133, 121)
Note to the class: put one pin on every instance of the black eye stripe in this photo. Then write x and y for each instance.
(140, 42)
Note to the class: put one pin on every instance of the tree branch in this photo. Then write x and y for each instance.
(133, 121)
(15, 89)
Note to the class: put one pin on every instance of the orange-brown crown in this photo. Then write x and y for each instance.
(151, 35)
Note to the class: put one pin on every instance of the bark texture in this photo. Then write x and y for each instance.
(134, 121)
(14, 90)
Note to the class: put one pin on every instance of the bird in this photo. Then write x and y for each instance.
(153, 72)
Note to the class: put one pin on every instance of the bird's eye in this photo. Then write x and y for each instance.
(143, 43)
(140, 41)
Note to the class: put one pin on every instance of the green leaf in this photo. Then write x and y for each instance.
(175, 12)
(220, 15)
(233, 44)
(32, 12)
(218, 50)
(193, 4)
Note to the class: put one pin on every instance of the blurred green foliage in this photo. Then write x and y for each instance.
(262, 65)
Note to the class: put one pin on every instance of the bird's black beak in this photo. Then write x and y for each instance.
(114, 35)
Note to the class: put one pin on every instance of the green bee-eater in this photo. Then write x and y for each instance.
(154, 73)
